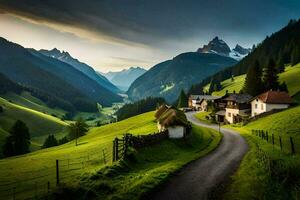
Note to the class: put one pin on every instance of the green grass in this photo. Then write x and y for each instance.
(146, 168)
(39, 124)
(202, 117)
(290, 76)
(256, 179)
(25, 99)
(23, 170)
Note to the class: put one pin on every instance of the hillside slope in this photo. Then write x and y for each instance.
(58, 80)
(282, 46)
(166, 79)
(39, 124)
(86, 69)
(290, 76)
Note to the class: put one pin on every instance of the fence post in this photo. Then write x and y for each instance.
(104, 160)
(273, 140)
(292, 146)
(117, 149)
(48, 187)
(280, 142)
(57, 173)
(267, 135)
(114, 149)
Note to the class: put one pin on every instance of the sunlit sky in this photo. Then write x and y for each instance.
(111, 35)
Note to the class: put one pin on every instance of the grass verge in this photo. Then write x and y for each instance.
(144, 170)
(202, 116)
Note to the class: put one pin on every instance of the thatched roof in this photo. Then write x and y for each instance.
(161, 110)
(171, 117)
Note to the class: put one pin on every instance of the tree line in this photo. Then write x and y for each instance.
(18, 141)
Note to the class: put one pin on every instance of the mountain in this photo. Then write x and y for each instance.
(166, 79)
(86, 69)
(218, 46)
(57, 83)
(283, 47)
(123, 79)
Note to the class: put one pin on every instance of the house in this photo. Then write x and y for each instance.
(173, 120)
(200, 102)
(268, 101)
(237, 107)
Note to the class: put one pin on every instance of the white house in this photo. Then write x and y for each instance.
(173, 120)
(237, 107)
(271, 100)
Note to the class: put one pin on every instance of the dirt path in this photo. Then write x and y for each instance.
(200, 178)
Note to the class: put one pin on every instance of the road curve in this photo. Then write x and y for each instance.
(200, 178)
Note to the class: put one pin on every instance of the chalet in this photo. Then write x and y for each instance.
(200, 102)
(268, 101)
(173, 120)
(237, 107)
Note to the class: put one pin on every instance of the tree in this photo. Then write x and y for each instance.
(280, 65)
(283, 87)
(214, 85)
(295, 57)
(77, 129)
(63, 140)
(270, 77)
(1, 109)
(232, 78)
(19, 140)
(182, 100)
(253, 83)
(50, 141)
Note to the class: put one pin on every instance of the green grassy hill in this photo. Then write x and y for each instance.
(39, 167)
(40, 124)
(290, 76)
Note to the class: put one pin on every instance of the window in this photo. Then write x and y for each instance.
(255, 106)
(262, 106)
(229, 114)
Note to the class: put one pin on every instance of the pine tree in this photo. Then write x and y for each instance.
(270, 77)
(50, 141)
(295, 57)
(280, 65)
(253, 83)
(19, 140)
(182, 100)
(283, 87)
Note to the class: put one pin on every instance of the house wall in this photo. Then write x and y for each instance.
(176, 131)
(230, 113)
(258, 107)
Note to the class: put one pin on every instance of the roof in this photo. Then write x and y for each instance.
(275, 97)
(206, 97)
(160, 111)
(172, 117)
(221, 112)
(239, 98)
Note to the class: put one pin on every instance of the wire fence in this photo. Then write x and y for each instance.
(41, 182)
(284, 142)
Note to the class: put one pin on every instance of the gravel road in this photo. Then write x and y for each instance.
(203, 178)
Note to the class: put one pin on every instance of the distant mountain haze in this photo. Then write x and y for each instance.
(86, 69)
(51, 76)
(123, 79)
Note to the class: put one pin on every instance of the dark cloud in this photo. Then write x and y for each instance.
(154, 22)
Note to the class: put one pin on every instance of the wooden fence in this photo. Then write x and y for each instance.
(285, 143)
(120, 146)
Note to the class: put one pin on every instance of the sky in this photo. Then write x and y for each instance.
(111, 35)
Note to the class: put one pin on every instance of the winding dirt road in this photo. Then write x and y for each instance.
(201, 178)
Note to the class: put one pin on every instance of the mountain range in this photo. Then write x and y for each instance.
(166, 79)
(57, 83)
(84, 68)
(123, 79)
(218, 46)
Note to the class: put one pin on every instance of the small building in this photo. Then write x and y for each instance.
(268, 101)
(173, 120)
(237, 107)
(200, 102)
